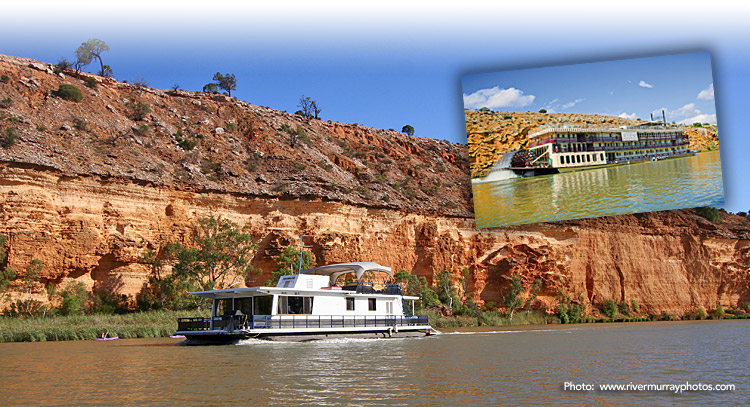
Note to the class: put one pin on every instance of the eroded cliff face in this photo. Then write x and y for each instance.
(87, 190)
(95, 230)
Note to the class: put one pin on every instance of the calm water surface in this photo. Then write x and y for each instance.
(519, 367)
(642, 187)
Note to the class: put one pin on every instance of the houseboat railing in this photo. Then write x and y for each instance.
(584, 148)
(577, 128)
(373, 288)
(593, 139)
(246, 322)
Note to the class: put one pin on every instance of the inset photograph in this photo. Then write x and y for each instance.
(595, 139)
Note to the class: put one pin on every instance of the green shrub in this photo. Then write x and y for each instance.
(624, 309)
(718, 313)
(80, 124)
(708, 212)
(490, 306)
(108, 303)
(634, 306)
(73, 299)
(11, 136)
(575, 311)
(142, 130)
(138, 111)
(41, 127)
(6, 103)
(4, 79)
(69, 92)
(542, 110)
(609, 308)
(562, 313)
(700, 313)
(507, 116)
(61, 66)
(187, 144)
(90, 83)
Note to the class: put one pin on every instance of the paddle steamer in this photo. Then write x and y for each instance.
(561, 148)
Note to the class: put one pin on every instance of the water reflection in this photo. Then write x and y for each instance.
(641, 187)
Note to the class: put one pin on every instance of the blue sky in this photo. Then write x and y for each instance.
(681, 85)
(390, 63)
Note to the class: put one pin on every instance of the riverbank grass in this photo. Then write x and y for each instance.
(490, 318)
(151, 324)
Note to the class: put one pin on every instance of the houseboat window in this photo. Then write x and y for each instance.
(350, 304)
(594, 157)
(263, 305)
(602, 155)
(245, 305)
(567, 159)
(295, 305)
(223, 306)
(371, 304)
(588, 158)
(578, 158)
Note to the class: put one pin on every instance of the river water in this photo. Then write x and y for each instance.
(642, 187)
(521, 366)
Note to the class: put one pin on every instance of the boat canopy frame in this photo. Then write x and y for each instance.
(334, 271)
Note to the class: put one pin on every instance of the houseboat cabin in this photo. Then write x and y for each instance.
(348, 299)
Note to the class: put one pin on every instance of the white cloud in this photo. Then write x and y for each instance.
(707, 94)
(494, 98)
(687, 110)
(571, 104)
(645, 84)
(686, 114)
(701, 118)
(627, 116)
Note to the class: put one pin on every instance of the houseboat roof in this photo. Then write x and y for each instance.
(568, 128)
(334, 271)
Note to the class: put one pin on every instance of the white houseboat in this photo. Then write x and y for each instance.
(561, 148)
(347, 299)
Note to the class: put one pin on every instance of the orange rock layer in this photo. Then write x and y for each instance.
(95, 230)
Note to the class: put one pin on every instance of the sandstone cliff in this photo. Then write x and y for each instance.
(90, 201)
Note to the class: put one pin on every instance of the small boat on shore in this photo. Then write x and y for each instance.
(339, 300)
(111, 338)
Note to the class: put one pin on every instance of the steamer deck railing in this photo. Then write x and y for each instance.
(248, 322)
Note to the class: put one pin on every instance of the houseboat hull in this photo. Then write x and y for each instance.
(223, 337)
